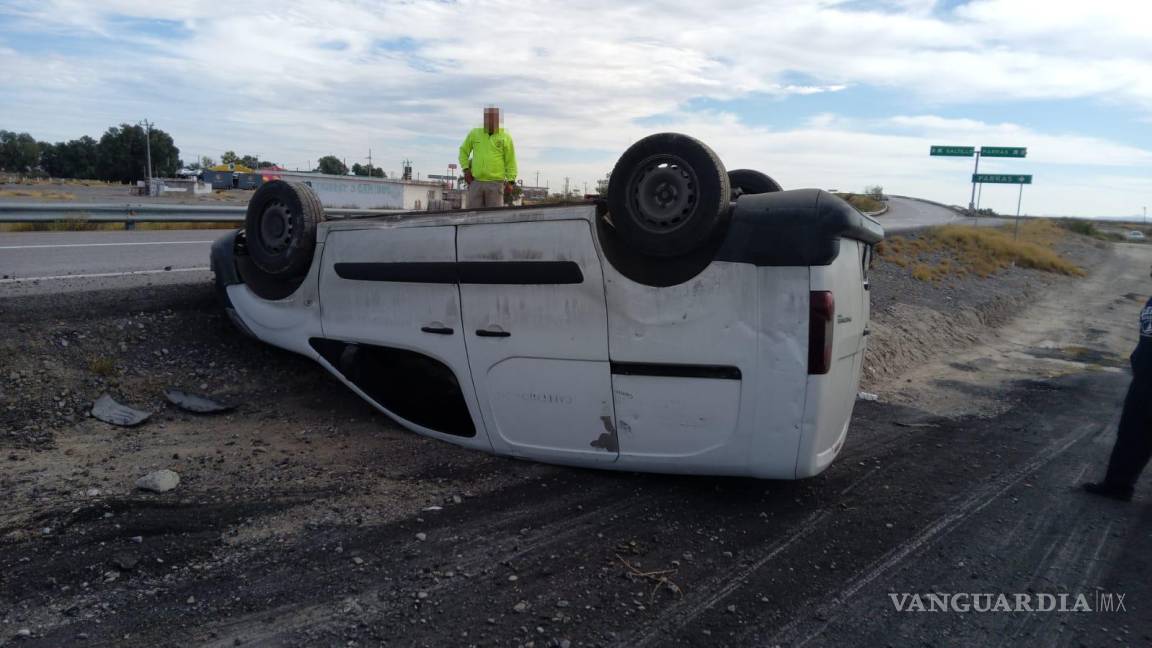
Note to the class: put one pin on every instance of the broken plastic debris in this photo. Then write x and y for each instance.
(866, 396)
(195, 402)
(110, 411)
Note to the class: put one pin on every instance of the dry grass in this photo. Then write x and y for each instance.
(102, 366)
(37, 193)
(957, 250)
(33, 181)
(863, 203)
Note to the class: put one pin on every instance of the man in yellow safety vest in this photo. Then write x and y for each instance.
(489, 162)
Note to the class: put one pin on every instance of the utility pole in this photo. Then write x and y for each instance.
(565, 186)
(148, 150)
(1145, 217)
(369, 161)
(537, 178)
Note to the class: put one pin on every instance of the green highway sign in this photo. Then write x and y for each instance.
(1003, 151)
(957, 151)
(994, 178)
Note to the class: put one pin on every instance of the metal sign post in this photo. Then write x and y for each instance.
(1019, 197)
(985, 151)
(972, 200)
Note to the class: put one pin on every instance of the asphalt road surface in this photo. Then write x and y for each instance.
(50, 262)
(56, 262)
(908, 213)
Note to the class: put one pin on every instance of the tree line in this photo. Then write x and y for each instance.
(120, 155)
(333, 165)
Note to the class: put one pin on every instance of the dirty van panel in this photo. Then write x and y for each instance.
(396, 288)
(535, 324)
(673, 415)
(704, 333)
(832, 396)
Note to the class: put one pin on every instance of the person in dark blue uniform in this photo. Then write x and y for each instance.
(1134, 436)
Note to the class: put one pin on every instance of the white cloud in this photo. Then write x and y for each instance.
(408, 79)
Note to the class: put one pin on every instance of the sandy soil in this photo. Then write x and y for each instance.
(304, 518)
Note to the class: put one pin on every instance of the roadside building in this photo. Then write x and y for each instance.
(232, 176)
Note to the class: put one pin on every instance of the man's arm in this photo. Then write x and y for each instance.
(465, 151)
(510, 161)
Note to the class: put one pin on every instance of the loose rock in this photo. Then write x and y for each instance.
(160, 481)
(108, 410)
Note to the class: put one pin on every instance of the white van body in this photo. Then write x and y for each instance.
(557, 356)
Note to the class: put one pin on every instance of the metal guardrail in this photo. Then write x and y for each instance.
(146, 213)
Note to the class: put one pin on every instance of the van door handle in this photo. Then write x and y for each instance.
(438, 330)
(488, 333)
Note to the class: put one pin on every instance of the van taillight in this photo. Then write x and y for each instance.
(821, 317)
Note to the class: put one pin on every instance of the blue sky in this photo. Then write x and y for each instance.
(827, 93)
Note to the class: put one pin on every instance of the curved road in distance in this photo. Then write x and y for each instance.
(909, 213)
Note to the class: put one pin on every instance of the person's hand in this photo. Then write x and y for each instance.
(468, 176)
(509, 186)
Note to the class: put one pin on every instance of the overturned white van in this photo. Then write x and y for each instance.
(694, 322)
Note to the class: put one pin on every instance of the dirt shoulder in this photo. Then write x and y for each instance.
(305, 518)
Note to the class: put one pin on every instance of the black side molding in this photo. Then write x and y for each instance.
(520, 272)
(802, 227)
(719, 372)
(438, 272)
(466, 272)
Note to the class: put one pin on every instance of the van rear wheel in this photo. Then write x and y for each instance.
(667, 195)
(748, 181)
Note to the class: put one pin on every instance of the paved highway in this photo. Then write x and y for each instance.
(907, 213)
(52, 262)
(48, 262)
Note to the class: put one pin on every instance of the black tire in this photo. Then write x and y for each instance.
(668, 194)
(280, 228)
(748, 181)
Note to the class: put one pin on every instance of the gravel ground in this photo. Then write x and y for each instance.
(305, 518)
(914, 320)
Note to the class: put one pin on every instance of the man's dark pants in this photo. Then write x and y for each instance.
(1134, 437)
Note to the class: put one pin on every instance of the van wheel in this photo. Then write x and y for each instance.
(667, 195)
(281, 228)
(747, 181)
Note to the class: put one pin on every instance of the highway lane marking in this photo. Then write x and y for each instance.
(75, 245)
(96, 275)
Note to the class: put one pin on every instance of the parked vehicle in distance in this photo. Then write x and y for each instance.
(697, 321)
(1135, 235)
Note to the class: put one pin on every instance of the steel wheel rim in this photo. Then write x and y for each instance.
(663, 192)
(276, 226)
